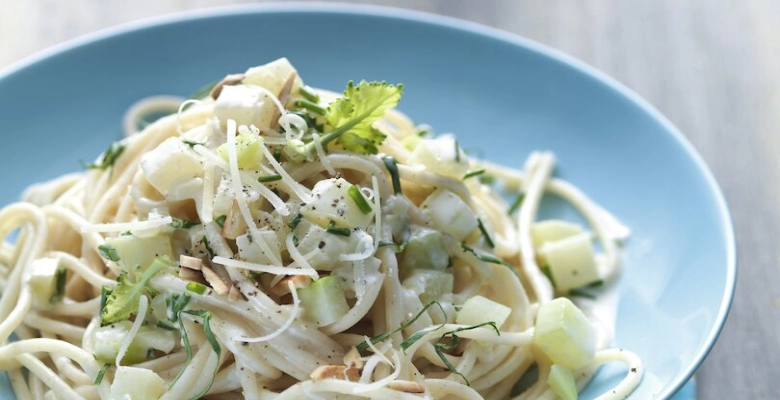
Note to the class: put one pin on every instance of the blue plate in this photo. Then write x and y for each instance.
(498, 92)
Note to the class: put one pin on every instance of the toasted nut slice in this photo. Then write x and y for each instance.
(232, 79)
(216, 283)
(299, 281)
(335, 372)
(191, 262)
(352, 359)
(406, 386)
(234, 225)
(192, 275)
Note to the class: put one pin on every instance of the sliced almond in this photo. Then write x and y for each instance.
(234, 294)
(352, 359)
(283, 96)
(406, 386)
(191, 275)
(216, 283)
(335, 372)
(234, 225)
(232, 79)
(191, 262)
(282, 288)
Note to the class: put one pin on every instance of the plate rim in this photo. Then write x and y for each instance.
(429, 18)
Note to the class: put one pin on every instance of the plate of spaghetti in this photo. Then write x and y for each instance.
(363, 203)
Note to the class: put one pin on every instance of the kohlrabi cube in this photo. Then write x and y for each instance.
(552, 230)
(442, 156)
(323, 301)
(169, 164)
(479, 310)
(426, 249)
(571, 262)
(429, 285)
(332, 202)
(245, 104)
(564, 334)
(562, 382)
(136, 383)
(249, 152)
(272, 76)
(42, 276)
(135, 252)
(108, 339)
(450, 213)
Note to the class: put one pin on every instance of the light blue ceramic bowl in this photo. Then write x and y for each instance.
(498, 92)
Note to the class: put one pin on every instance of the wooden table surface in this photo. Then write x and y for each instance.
(712, 67)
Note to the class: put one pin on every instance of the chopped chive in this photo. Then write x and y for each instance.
(516, 204)
(185, 340)
(423, 130)
(102, 373)
(296, 219)
(489, 259)
(179, 223)
(333, 229)
(105, 292)
(310, 106)
(361, 202)
(205, 241)
(192, 143)
(109, 157)
(175, 304)
(392, 167)
(295, 240)
(206, 315)
(595, 284)
(487, 179)
(196, 287)
(398, 248)
(277, 153)
(474, 173)
(163, 325)
(580, 292)
(485, 234)
(59, 285)
(453, 344)
(126, 233)
(380, 338)
(108, 252)
(149, 353)
(457, 151)
(220, 220)
(269, 178)
(309, 94)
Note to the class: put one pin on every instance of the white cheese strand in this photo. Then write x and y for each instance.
(127, 226)
(298, 258)
(271, 269)
(143, 304)
(321, 154)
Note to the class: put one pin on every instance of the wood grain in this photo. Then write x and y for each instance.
(712, 67)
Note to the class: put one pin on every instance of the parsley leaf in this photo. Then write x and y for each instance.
(123, 300)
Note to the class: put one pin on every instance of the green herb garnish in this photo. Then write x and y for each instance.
(220, 220)
(269, 178)
(102, 373)
(196, 287)
(179, 223)
(123, 300)
(333, 229)
(310, 106)
(361, 201)
(392, 168)
(474, 173)
(363, 346)
(516, 204)
(296, 219)
(108, 158)
(309, 94)
(485, 234)
(108, 252)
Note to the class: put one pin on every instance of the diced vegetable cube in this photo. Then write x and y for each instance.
(108, 340)
(565, 334)
(136, 383)
(426, 249)
(450, 213)
(442, 156)
(430, 285)
(561, 381)
(272, 76)
(323, 301)
(169, 164)
(247, 105)
(333, 203)
(140, 252)
(479, 310)
(42, 278)
(571, 261)
(552, 230)
(248, 151)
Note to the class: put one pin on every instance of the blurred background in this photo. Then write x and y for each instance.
(712, 67)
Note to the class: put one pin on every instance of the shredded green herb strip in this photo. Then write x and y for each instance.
(59, 285)
(361, 201)
(453, 344)
(474, 173)
(220, 220)
(392, 168)
(176, 303)
(179, 223)
(398, 248)
(483, 257)
(457, 151)
(583, 292)
(192, 143)
(516, 204)
(108, 252)
(485, 234)
(487, 179)
(311, 107)
(333, 229)
(206, 316)
(163, 325)
(269, 178)
(309, 94)
(363, 346)
(102, 373)
(109, 157)
(196, 287)
(205, 241)
(296, 219)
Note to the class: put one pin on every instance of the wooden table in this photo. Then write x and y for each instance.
(712, 67)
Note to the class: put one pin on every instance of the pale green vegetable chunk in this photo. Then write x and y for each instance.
(552, 230)
(323, 301)
(140, 252)
(565, 334)
(136, 384)
(249, 154)
(430, 285)
(42, 279)
(425, 249)
(333, 203)
(571, 261)
(450, 213)
(562, 382)
(479, 310)
(108, 340)
(442, 156)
